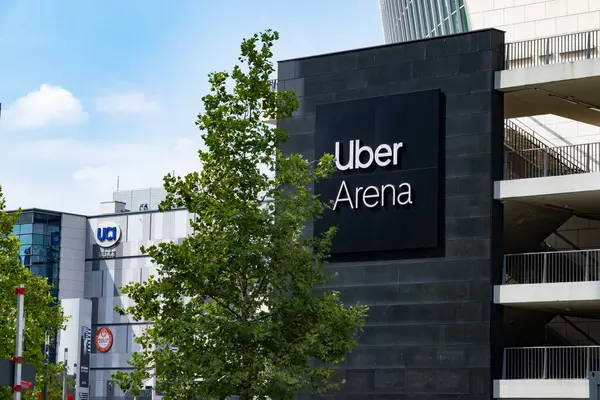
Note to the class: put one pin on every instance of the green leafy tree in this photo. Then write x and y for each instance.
(236, 306)
(41, 310)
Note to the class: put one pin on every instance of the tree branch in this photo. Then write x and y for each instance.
(225, 306)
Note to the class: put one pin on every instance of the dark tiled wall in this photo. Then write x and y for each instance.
(432, 331)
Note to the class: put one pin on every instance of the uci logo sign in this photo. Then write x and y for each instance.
(107, 234)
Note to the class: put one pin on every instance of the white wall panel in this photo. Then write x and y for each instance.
(533, 19)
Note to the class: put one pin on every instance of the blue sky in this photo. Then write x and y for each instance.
(95, 90)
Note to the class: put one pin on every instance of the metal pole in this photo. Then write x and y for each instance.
(46, 356)
(18, 360)
(64, 388)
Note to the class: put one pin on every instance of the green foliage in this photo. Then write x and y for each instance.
(239, 298)
(40, 311)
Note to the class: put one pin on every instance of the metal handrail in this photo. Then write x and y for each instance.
(560, 362)
(510, 126)
(521, 135)
(552, 267)
(554, 161)
(552, 50)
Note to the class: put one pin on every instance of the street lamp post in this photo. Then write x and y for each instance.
(64, 389)
(46, 357)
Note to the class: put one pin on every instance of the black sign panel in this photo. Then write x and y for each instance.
(7, 374)
(385, 191)
(85, 350)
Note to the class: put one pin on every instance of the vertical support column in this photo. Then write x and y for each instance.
(46, 360)
(587, 266)
(64, 382)
(545, 268)
(18, 360)
(545, 371)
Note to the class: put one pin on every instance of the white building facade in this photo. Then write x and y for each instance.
(88, 259)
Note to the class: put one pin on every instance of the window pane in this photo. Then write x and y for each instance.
(50, 229)
(37, 217)
(25, 260)
(38, 250)
(25, 239)
(447, 25)
(55, 240)
(25, 250)
(445, 11)
(40, 240)
(455, 23)
(39, 228)
(54, 219)
(453, 5)
(38, 259)
(26, 218)
(16, 229)
(52, 255)
(26, 228)
(463, 16)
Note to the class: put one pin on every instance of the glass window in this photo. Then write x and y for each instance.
(41, 240)
(25, 249)
(54, 220)
(25, 260)
(431, 20)
(25, 239)
(447, 25)
(38, 259)
(16, 229)
(26, 228)
(42, 218)
(436, 11)
(445, 10)
(50, 229)
(38, 250)
(49, 271)
(455, 23)
(26, 218)
(55, 239)
(463, 16)
(52, 255)
(453, 5)
(39, 228)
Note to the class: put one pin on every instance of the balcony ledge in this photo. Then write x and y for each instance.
(542, 389)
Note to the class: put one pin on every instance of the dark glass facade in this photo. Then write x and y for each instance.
(39, 234)
(405, 20)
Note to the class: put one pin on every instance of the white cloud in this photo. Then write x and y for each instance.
(126, 103)
(77, 176)
(46, 106)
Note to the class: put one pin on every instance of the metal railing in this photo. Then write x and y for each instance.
(520, 139)
(551, 50)
(552, 267)
(554, 161)
(550, 362)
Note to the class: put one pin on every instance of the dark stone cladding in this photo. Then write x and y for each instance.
(432, 330)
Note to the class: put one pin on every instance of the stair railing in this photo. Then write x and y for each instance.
(556, 153)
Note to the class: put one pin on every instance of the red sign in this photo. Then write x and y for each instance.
(26, 385)
(104, 340)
